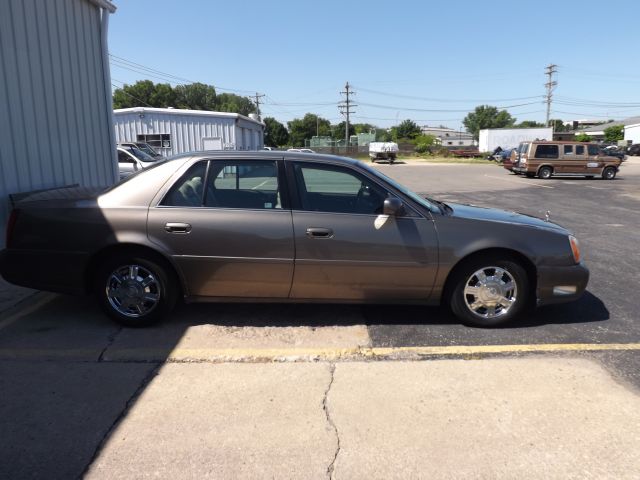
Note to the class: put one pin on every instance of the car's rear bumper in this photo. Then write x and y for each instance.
(561, 284)
(61, 272)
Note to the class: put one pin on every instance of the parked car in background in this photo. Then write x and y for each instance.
(634, 149)
(141, 146)
(545, 159)
(614, 151)
(272, 226)
(131, 160)
(300, 150)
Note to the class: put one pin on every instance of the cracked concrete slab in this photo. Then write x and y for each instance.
(495, 418)
(224, 421)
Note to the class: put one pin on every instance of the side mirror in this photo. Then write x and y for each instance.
(393, 206)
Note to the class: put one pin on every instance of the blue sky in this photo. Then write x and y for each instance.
(431, 62)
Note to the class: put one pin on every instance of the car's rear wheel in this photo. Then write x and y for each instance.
(609, 173)
(489, 292)
(135, 291)
(545, 173)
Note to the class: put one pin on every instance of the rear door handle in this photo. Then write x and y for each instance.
(316, 232)
(177, 227)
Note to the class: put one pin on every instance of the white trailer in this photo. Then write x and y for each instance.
(383, 151)
(492, 138)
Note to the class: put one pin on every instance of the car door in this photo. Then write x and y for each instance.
(228, 228)
(594, 163)
(346, 249)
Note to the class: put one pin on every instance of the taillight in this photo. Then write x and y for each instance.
(10, 225)
(575, 248)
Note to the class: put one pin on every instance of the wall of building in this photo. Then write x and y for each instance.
(189, 132)
(632, 133)
(55, 120)
(492, 138)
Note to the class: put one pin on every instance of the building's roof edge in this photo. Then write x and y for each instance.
(182, 111)
(106, 4)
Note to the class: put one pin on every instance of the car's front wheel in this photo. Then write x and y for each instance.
(609, 173)
(489, 292)
(135, 291)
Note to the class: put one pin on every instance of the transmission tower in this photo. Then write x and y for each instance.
(550, 85)
(345, 108)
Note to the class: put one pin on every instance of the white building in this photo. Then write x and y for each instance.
(55, 97)
(448, 137)
(171, 131)
(492, 138)
(632, 133)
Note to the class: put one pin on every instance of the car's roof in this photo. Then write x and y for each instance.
(272, 155)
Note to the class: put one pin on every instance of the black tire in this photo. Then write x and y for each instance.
(545, 173)
(152, 280)
(609, 173)
(464, 276)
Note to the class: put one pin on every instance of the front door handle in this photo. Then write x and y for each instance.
(177, 227)
(316, 232)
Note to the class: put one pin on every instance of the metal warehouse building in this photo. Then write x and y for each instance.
(55, 97)
(171, 131)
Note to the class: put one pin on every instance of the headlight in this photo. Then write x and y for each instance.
(575, 248)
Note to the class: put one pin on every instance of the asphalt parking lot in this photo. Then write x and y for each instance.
(273, 391)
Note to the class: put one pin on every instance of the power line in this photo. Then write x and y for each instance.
(446, 100)
(142, 69)
(409, 109)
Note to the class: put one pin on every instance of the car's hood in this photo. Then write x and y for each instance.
(495, 215)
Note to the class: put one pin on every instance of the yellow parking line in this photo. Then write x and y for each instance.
(25, 310)
(307, 354)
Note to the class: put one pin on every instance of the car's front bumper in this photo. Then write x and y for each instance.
(561, 284)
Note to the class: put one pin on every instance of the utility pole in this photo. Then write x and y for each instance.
(345, 109)
(551, 85)
(258, 97)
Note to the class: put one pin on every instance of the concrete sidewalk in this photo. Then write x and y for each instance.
(494, 418)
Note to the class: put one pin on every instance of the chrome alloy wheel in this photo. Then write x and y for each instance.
(133, 290)
(490, 292)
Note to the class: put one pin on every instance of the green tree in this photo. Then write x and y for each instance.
(486, 116)
(408, 129)
(143, 93)
(529, 124)
(229, 102)
(275, 133)
(301, 129)
(338, 130)
(582, 137)
(558, 125)
(383, 135)
(424, 143)
(195, 96)
(614, 133)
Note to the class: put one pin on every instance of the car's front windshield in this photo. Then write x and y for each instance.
(140, 155)
(147, 149)
(398, 186)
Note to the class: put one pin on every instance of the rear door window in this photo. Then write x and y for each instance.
(547, 151)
